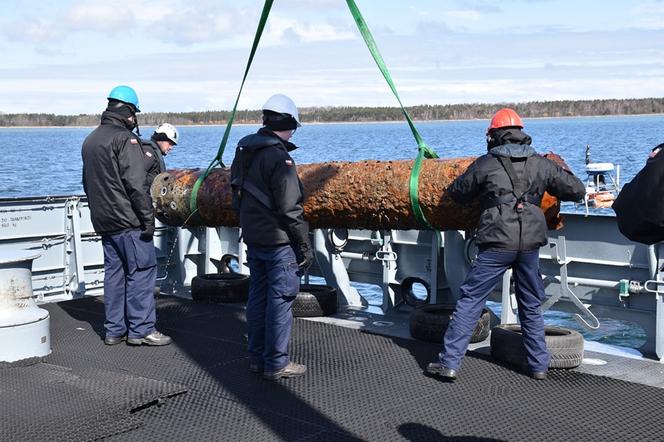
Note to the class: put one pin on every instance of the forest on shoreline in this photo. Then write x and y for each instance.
(337, 114)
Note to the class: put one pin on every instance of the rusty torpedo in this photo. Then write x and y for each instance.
(370, 195)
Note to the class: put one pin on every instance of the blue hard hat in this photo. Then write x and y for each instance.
(126, 95)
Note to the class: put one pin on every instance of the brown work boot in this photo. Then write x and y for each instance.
(292, 370)
(155, 338)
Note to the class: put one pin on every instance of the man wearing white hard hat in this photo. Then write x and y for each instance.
(162, 141)
(267, 194)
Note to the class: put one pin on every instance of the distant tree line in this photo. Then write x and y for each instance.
(532, 109)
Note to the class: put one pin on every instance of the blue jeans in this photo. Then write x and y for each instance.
(272, 290)
(484, 274)
(130, 275)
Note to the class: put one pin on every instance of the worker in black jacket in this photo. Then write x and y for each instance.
(510, 181)
(268, 194)
(121, 210)
(162, 141)
(639, 206)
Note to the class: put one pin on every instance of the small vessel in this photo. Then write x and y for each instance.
(602, 184)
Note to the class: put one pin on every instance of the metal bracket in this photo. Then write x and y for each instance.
(656, 289)
(386, 255)
(563, 260)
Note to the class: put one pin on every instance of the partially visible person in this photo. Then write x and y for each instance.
(510, 180)
(114, 180)
(639, 206)
(162, 141)
(268, 194)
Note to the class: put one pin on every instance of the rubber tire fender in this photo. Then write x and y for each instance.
(220, 287)
(429, 322)
(315, 300)
(564, 345)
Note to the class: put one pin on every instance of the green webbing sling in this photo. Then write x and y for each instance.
(217, 159)
(424, 151)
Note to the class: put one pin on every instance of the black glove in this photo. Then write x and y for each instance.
(305, 257)
(299, 236)
(147, 233)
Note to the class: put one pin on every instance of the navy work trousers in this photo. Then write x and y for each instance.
(130, 275)
(484, 274)
(274, 285)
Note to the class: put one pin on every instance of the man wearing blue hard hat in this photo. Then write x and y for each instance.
(114, 178)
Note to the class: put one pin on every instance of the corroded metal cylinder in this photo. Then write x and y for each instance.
(371, 195)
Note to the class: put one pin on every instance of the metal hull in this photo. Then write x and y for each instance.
(589, 252)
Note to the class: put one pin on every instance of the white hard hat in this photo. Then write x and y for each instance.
(282, 104)
(169, 130)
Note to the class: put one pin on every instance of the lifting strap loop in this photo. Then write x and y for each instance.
(222, 146)
(424, 151)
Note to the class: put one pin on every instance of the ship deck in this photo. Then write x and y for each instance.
(360, 386)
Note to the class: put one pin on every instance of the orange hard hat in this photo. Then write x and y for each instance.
(505, 117)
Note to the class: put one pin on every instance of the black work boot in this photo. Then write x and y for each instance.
(114, 340)
(256, 368)
(539, 375)
(155, 338)
(439, 370)
(292, 370)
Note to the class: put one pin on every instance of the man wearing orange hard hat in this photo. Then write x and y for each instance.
(509, 180)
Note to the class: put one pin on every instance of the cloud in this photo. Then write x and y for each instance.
(37, 30)
(299, 31)
(648, 15)
(201, 25)
(465, 14)
(109, 17)
(313, 4)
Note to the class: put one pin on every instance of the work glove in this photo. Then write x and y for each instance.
(299, 236)
(147, 233)
(305, 257)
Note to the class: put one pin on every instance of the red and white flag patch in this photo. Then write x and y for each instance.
(289, 162)
(133, 141)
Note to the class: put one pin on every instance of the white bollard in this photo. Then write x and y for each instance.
(24, 327)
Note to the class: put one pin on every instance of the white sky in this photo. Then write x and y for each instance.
(64, 56)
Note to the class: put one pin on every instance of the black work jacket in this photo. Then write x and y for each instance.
(639, 206)
(153, 161)
(506, 223)
(114, 177)
(262, 159)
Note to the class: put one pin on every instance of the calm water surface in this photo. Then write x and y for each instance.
(47, 161)
(39, 161)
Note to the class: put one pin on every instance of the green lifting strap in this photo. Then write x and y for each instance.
(424, 151)
(217, 159)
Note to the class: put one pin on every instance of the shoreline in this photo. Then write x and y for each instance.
(320, 123)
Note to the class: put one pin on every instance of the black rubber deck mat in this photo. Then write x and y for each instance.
(50, 402)
(358, 387)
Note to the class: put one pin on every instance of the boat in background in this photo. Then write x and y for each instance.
(602, 184)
